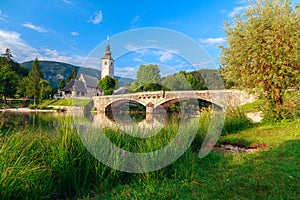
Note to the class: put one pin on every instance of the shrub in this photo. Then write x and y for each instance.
(31, 106)
(235, 121)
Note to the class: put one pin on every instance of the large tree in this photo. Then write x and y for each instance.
(74, 73)
(45, 89)
(6, 59)
(8, 81)
(263, 52)
(184, 81)
(33, 86)
(148, 77)
(10, 74)
(8, 54)
(108, 84)
(62, 84)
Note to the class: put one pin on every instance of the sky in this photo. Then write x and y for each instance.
(76, 31)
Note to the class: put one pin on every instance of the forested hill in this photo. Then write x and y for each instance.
(55, 71)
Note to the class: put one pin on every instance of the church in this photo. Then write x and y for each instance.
(87, 86)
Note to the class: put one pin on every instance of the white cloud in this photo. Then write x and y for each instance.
(131, 47)
(205, 64)
(67, 1)
(135, 21)
(97, 19)
(19, 48)
(237, 11)
(223, 11)
(2, 17)
(242, 1)
(74, 33)
(127, 71)
(55, 55)
(24, 52)
(138, 59)
(164, 56)
(148, 52)
(34, 27)
(9, 35)
(212, 41)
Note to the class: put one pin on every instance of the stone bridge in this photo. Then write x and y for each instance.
(158, 99)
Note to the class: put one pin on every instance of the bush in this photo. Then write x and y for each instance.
(235, 121)
(31, 106)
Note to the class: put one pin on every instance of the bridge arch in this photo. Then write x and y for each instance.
(117, 104)
(200, 102)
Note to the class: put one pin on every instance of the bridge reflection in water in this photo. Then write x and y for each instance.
(126, 120)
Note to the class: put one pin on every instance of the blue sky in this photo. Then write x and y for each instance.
(68, 30)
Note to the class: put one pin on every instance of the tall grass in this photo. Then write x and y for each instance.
(39, 164)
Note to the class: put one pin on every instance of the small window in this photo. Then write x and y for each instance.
(105, 63)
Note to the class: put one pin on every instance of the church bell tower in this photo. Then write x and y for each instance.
(107, 63)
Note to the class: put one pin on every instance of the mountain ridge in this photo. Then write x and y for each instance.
(54, 71)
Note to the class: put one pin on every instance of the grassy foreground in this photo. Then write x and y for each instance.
(35, 165)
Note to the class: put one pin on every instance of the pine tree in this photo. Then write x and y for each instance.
(62, 84)
(68, 78)
(74, 73)
(33, 87)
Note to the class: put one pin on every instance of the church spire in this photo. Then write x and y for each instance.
(107, 67)
(107, 51)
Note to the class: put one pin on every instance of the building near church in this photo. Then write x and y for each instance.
(84, 86)
(87, 86)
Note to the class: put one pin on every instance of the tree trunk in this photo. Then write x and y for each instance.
(278, 97)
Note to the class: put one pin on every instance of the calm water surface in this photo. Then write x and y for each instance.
(15, 121)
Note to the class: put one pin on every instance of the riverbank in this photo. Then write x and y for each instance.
(25, 110)
(37, 164)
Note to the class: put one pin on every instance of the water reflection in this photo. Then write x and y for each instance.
(125, 121)
(17, 121)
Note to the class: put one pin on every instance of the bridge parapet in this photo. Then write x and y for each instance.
(151, 100)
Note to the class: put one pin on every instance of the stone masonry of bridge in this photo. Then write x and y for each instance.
(152, 100)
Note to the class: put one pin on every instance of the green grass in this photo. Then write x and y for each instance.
(252, 107)
(66, 102)
(35, 164)
(271, 173)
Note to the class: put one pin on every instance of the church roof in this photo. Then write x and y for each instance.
(79, 86)
(69, 86)
(90, 81)
(75, 85)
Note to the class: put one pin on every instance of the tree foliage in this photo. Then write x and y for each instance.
(108, 84)
(74, 73)
(45, 89)
(147, 76)
(69, 77)
(184, 81)
(263, 52)
(8, 54)
(10, 75)
(7, 60)
(62, 84)
(33, 87)
(8, 81)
